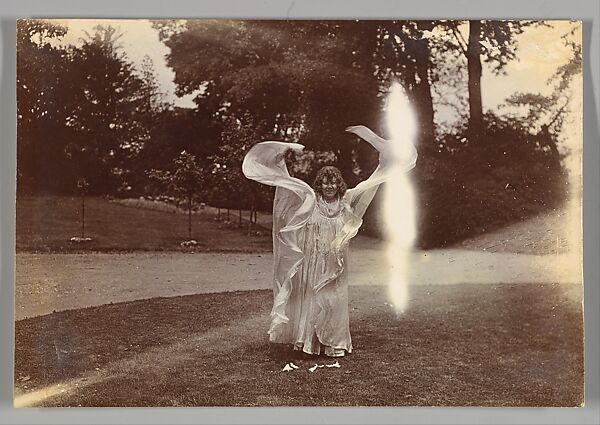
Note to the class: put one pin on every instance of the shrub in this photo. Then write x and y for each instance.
(467, 188)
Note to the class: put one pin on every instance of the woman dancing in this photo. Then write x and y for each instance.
(311, 231)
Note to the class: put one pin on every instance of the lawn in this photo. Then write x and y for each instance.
(47, 223)
(456, 345)
(504, 345)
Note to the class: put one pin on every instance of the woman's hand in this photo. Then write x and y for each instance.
(368, 135)
(281, 156)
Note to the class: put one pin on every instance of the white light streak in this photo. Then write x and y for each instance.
(399, 204)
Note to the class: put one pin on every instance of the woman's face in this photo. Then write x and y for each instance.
(329, 188)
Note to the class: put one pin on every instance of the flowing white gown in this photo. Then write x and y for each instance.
(310, 244)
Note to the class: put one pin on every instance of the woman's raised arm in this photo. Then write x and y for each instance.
(394, 156)
(292, 207)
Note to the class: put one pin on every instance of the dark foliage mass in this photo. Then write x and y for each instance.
(509, 177)
(89, 113)
(466, 189)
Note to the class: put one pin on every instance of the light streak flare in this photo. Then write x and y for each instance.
(399, 205)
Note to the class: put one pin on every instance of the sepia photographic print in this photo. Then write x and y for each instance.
(299, 213)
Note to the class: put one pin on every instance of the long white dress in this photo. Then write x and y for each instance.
(310, 245)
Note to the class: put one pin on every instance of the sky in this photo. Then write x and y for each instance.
(540, 52)
(139, 39)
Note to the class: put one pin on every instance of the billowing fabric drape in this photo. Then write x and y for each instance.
(302, 263)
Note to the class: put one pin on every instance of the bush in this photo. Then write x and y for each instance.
(466, 188)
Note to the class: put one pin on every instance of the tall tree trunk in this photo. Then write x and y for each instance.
(422, 89)
(253, 196)
(474, 69)
(82, 216)
(419, 95)
(189, 218)
(228, 206)
(415, 91)
(423, 95)
(240, 217)
(250, 219)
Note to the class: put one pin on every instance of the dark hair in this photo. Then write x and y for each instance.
(332, 173)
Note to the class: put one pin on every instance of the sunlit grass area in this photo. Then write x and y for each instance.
(47, 223)
(507, 345)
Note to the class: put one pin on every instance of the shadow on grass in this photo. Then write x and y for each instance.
(509, 345)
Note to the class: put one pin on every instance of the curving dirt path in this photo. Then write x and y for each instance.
(48, 282)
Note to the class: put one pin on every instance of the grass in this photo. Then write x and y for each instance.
(550, 232)
(477, 345)
(460, 345)
(46, 224)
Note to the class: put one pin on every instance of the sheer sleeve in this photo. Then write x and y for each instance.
(292, 207)
(394, 157)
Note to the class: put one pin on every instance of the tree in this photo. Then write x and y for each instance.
(183, 182)
(151, 91)
(550, 110)
(196, 131)
(83, 112)
(474, 71)
(545, 114)
(406, 56)
(493, 42)
(110, 113)
(301, 78)
(41, 106)
(230, 187)
(82, 186)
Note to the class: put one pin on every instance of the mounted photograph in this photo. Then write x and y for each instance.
(299, 213)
